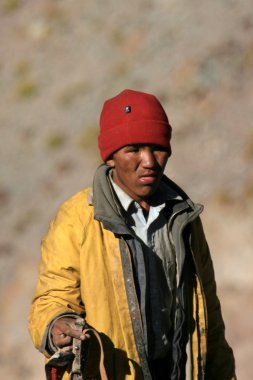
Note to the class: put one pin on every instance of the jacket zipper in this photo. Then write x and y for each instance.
(139, 345)
(132, 279)
(191, 218)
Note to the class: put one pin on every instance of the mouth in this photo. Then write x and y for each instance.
(148, 178)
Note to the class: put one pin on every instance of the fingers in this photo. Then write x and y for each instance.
(61, 340)
(64, 330)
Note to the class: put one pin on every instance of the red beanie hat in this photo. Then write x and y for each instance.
(132, 117)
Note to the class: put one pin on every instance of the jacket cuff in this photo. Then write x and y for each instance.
(47, 342)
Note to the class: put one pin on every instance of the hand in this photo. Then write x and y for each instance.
(64, 330)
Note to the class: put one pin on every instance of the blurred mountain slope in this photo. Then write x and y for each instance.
(59, 61)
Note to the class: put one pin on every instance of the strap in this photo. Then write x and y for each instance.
(76, 372)
(102, 370)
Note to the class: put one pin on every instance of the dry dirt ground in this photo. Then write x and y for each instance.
(59, 60)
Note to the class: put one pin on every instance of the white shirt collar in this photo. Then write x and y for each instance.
(163, 194)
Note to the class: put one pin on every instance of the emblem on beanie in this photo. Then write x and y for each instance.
(127, 109)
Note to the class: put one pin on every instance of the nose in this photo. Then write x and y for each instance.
(148, 158)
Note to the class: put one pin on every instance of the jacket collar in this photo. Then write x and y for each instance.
(163, 194)
(109, 211)
(106, 207)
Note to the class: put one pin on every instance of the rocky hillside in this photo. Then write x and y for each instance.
(59, 61)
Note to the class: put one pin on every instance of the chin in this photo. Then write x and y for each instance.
(148, 193)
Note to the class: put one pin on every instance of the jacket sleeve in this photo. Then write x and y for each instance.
(220, 363)
(58, 287)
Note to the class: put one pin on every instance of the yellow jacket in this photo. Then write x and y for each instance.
(86, 269)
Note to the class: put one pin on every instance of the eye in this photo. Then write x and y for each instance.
(158, 148)
(132, 148)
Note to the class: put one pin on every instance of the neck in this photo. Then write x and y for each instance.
(144, 205)
(145, 211)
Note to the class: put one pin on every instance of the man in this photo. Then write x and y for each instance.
(130, 256)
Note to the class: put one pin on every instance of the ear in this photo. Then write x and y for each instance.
(110, 163)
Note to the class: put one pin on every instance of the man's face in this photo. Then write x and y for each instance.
(138, 169)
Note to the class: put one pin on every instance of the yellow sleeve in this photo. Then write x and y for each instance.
(58, 287)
